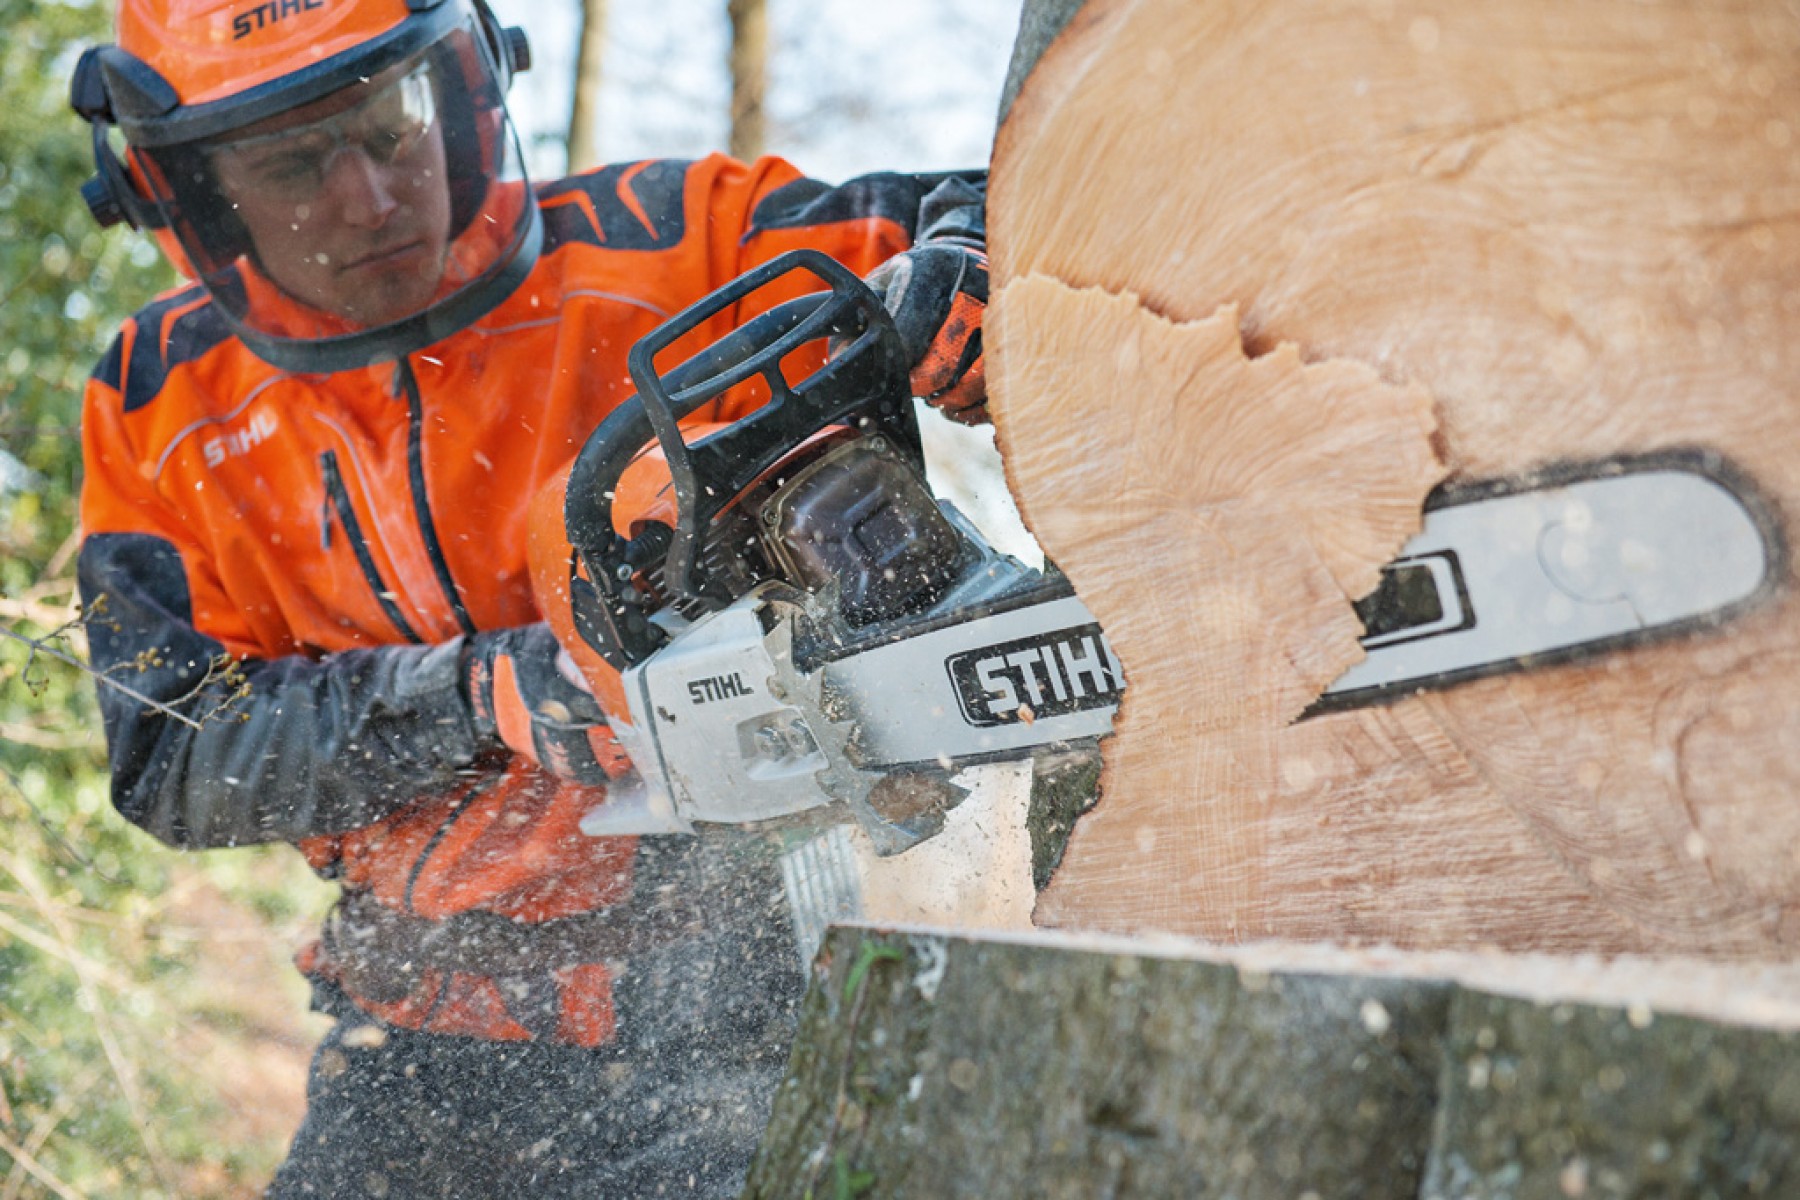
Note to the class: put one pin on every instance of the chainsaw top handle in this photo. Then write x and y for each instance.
(864, 382)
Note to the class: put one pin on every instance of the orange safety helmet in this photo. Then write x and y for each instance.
(341, 175)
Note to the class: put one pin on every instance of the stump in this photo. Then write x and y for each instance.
(944, 1067)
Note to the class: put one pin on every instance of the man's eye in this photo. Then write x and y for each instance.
(390, 141)
(289, 168)
(384, 144)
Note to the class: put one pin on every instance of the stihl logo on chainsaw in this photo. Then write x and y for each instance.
(718, 687)
(1050, 675)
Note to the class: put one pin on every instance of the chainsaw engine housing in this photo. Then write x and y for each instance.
(860, 520)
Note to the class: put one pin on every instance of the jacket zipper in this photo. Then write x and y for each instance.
(407, 382)
(337, 503)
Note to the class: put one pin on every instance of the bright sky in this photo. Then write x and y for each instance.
(855, 86)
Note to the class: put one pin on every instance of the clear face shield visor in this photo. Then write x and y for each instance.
(390, 127)
(363, 225)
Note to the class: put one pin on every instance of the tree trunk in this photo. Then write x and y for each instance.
(1349, 251)
(749, 75)
(943, 1067)
(584, 116)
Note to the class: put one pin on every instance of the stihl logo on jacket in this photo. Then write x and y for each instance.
(231, 444)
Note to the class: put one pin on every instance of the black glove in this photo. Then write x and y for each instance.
(522, 700)
(937, 292)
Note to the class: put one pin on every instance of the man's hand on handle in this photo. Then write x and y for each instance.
(521, 698)
(937, 293)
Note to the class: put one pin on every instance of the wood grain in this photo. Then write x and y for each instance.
(1565, 232)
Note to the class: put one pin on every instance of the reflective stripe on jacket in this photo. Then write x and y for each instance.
(287, 561)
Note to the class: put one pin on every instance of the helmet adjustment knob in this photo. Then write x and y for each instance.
(101, 202)
(518, 49)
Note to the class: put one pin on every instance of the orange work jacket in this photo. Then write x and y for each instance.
(284, 563)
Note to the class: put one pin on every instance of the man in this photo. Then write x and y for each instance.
(307, 478)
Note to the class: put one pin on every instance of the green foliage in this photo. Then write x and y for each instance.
(867, 955)
(109, 945)
(846, 1182)
(66, 283)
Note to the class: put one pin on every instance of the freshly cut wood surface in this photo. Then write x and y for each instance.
(974, 874)
(1573, 229)
(1207, 491)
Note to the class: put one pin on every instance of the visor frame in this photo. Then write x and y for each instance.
(114, 89)
(218, 152)
(324, 352)
(397, 339)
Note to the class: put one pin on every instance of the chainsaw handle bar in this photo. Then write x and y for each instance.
(866, 379)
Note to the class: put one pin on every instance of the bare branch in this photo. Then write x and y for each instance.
(52, 583)
(65, 554)
(37, 1170)
(53, 833)
(154, 930)
(46, 1125)
(29, 608)
(39, 738)
(125, 1072)
(66, 952)
(42, 646)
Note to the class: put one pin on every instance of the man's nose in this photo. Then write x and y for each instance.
(361, 187)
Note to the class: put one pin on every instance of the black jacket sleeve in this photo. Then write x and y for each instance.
(270, 750)
(928, 205)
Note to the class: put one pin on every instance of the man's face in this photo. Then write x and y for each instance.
(347, 200)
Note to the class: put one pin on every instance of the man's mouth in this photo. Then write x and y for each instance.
(388, 258)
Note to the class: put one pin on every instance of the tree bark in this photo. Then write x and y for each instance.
(584, 115)
(749, 75)
(1039, 23)
(1265, 274)
(939, 1066)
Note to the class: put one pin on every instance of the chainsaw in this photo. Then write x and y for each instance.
(812, 636)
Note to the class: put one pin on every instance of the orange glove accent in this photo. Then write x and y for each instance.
(520, 698)
(937, 293)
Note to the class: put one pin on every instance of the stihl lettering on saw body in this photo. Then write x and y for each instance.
(718, 687)
(1070, 672)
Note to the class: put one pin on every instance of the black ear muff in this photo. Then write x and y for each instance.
(509, 49)
(109, 194)
(112, 196)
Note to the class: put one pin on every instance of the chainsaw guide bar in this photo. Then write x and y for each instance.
(1575, 561)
